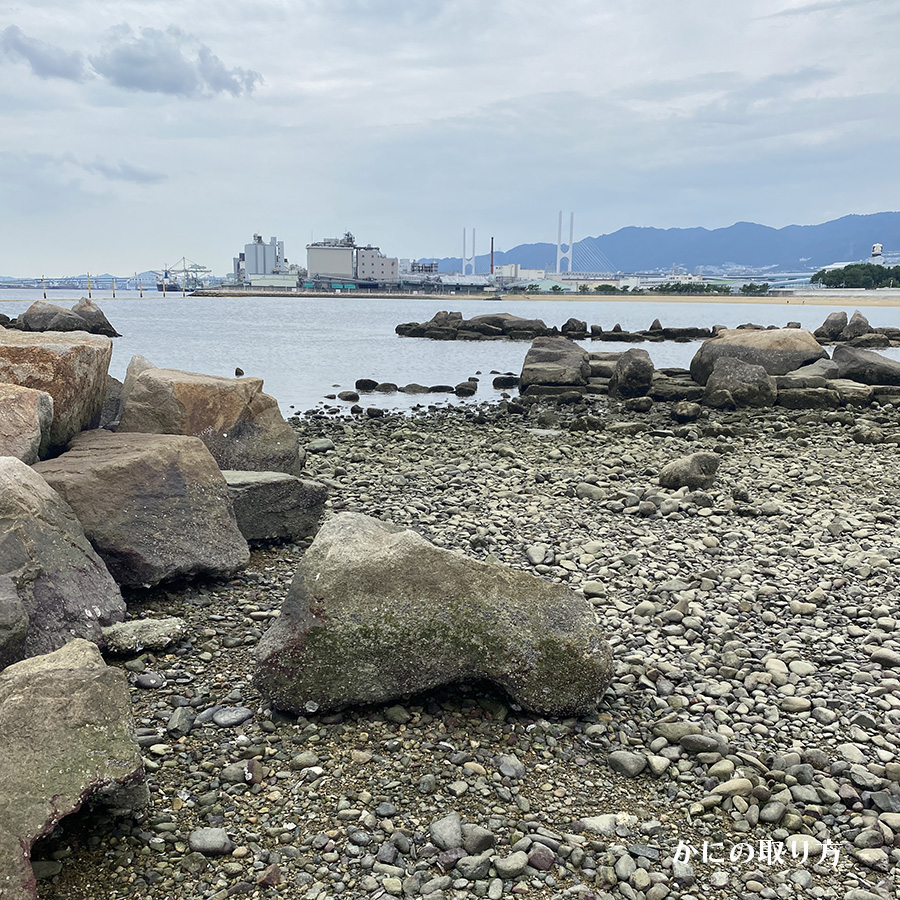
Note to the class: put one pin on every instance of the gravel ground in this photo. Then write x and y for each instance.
(755, 707)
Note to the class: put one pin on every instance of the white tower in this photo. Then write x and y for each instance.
(560, 256)
(466, 260)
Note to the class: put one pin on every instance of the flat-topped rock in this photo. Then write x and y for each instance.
(375, 613)
(71, 368)
(556, 362)
(155, 507)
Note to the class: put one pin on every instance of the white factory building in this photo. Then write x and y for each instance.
(341, 258)
(264, 265)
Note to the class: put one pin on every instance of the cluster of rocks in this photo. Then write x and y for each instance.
(747, 595)
(739, 368)
(451, 326)
(85, 315)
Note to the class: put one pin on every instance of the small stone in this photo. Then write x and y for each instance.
(512, 866)
(210, 841)
(627, 763)
(446, 833)
(230, 716)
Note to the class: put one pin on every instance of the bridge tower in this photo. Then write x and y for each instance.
(567, 255)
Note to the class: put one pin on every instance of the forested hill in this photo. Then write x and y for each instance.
(792, 248)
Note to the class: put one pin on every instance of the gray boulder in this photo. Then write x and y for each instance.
(695, 472)
(44, 316)
(93, 317)
(155, 507)
(856, 327)
(375, 613)
(275, 506)
(507, 324)
(68, 739)
(71, 368)
(632, 375)
(137, 635)
(748, 384)
(831, 328)
(13, 623)
(64, 588)
(777, 350)
(242, 426)
(866, 366)
(554, 361)
(25, 422)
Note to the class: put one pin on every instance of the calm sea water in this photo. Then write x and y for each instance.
(306, 348)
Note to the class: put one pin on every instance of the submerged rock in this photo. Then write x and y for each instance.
(375, 613)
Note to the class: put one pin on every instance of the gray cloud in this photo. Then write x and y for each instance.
(156, 62)
(124, 171)
(46, 61)
(823, 6)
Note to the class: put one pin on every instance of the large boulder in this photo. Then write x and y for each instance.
(275, 506)
(25, 422)
(748, 384)
(44, 316)
(865, 366)
(94, 318)
(632, 374)
(13, 623)
(64, 587)
(68, 739)
(155, 507)
(856, 327)
(376, 612)
(777, 350)
(71, 368)
(554, 361)
(831, 328)
(507, 324)
(242, 427)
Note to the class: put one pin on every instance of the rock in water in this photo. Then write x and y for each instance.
(831, 328)
(68, 736)
(865, 366)
(154, 506)
(242, 426)
(554, 361)
(375, 613)
(25, 423)
(777, 350)
(64, 587)
(694, 472)
(44, 316)
(71, 368)
(94, 319)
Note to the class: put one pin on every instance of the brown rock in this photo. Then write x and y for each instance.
(242, 427)
(71, 368)
(26, 417)
(155, 506)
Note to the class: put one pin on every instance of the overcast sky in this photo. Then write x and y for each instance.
(132, 133)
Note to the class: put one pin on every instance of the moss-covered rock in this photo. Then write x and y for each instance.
(375, 613)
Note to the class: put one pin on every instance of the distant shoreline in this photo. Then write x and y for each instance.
(887, 300)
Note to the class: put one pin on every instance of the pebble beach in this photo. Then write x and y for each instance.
(748, 745)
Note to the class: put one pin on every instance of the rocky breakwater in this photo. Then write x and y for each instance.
(41, 316)
(754, 704)
(856, 332)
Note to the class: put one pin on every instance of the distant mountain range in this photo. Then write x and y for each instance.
(744, 245)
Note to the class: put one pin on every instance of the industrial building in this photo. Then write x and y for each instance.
(341, 258)
(264, 265)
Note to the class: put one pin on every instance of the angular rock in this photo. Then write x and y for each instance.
(866, 366)
(856, 327)
(777, 350)
(94, 318)
(695, 472)
(43, 316)
(375, 613)
(748, 384)
(632, 375)
(242, 427)
(26, 418)
(13, 623)
(68, 738)
(63, 586)
(71, 368)
(111, 411)
(137, 635)
(831, 328)
(275, 506)
(554, 361)
(155, 507)
(508, 324)
(446, 833)
(809, 398)
(210, 841)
